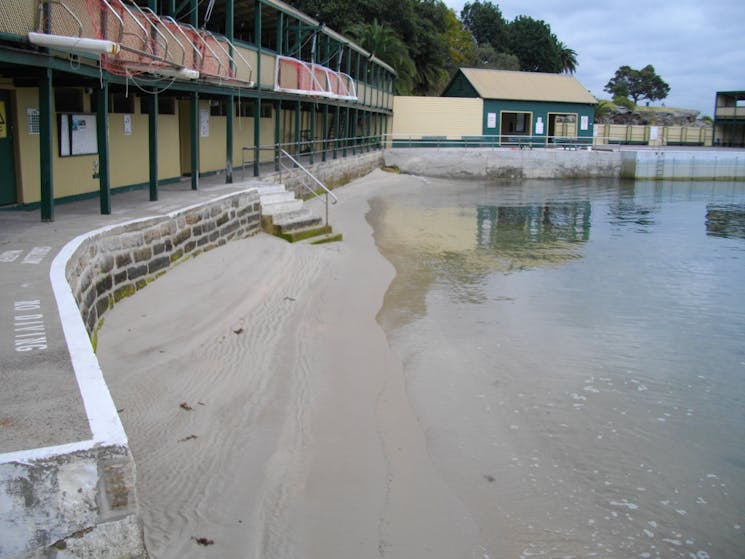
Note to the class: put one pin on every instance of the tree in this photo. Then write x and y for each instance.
(382, 41)
(533, 43)
(567, 58)
(637, 84)
(486, 23)
(488, 57)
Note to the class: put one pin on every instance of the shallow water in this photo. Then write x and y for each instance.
(576, 355)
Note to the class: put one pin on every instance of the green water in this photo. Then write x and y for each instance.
(576, 355)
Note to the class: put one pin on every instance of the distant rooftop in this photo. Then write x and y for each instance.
(527, 86)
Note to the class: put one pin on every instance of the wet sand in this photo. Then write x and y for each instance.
(266, 411)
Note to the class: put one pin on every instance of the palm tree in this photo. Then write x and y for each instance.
(382, 41)
(568, 58)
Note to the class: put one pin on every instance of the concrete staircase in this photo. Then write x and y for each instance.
(285, 216)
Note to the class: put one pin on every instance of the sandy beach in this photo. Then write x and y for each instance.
(266, 412)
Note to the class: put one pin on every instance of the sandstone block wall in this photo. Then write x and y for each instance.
(505, 164)
(118, 261)
(333, 172)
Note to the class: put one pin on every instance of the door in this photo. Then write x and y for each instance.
(7, 160)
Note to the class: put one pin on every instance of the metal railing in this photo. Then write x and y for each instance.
(304, 176)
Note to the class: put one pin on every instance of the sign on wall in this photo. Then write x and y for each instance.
(204, 123)
(491, 120)
(77, 134)
(584, 122)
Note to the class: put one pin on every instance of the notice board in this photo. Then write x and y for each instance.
(77, 134)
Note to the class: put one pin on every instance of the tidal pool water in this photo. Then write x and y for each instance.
(575, 352)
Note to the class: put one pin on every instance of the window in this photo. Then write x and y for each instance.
(68, 99)
(121, 103)
(166, 105)
(516, 123)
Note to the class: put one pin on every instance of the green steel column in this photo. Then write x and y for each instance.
(312, 132)
(337, 118)
(277, 134)
(281, 33)
(102, 136)
(257, 136)
(325, 126)
(257, 40)
(229, 139)
(346, 132)
(230, 34)
(355, 117)
(172, 8)
(152, 128)
(194, 133)
(298, 108)
(46, 113)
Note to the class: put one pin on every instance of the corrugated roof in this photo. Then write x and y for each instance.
(527, 86)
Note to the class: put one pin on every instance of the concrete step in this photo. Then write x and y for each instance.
(330, 237)
(305, 233)
(276, 208)
(268, 188)
(274, 197)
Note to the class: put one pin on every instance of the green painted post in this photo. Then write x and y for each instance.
(346, 132)
(325, 126)
(257, 40)
(312, 132)
(230, 34)
(337, 118)
(102, 136)
(277, 134)
(281, 34)
(229, 123)
(46, 113)
(152, 131)
(257, 136)
(194, 133)
(297, 127)
(152, 128)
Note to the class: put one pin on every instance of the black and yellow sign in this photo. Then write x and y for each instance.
(3, 121)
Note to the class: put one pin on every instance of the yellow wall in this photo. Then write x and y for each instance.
(437, 116)
(73, 175)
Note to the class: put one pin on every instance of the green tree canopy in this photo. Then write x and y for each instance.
(488, 57)
(533, 43)
(383, 42)
(567, 58)
(485, 22)
(637, 84)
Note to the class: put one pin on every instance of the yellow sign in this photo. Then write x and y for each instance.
(3, 121)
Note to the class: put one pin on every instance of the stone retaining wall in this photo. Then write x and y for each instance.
(505, 164)
(118, 261)
(333, 172)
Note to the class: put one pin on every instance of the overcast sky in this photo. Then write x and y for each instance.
(696, 46)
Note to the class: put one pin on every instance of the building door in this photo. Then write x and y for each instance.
(7, 160)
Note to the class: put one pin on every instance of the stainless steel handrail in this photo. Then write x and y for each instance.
(307, 173)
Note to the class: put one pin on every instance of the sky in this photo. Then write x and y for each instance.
(696, 46)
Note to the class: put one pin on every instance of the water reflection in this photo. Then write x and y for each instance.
(725, 220)
(509, 227)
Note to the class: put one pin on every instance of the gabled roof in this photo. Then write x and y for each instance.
(527, 86)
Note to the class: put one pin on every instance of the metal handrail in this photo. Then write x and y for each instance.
(311, 176)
